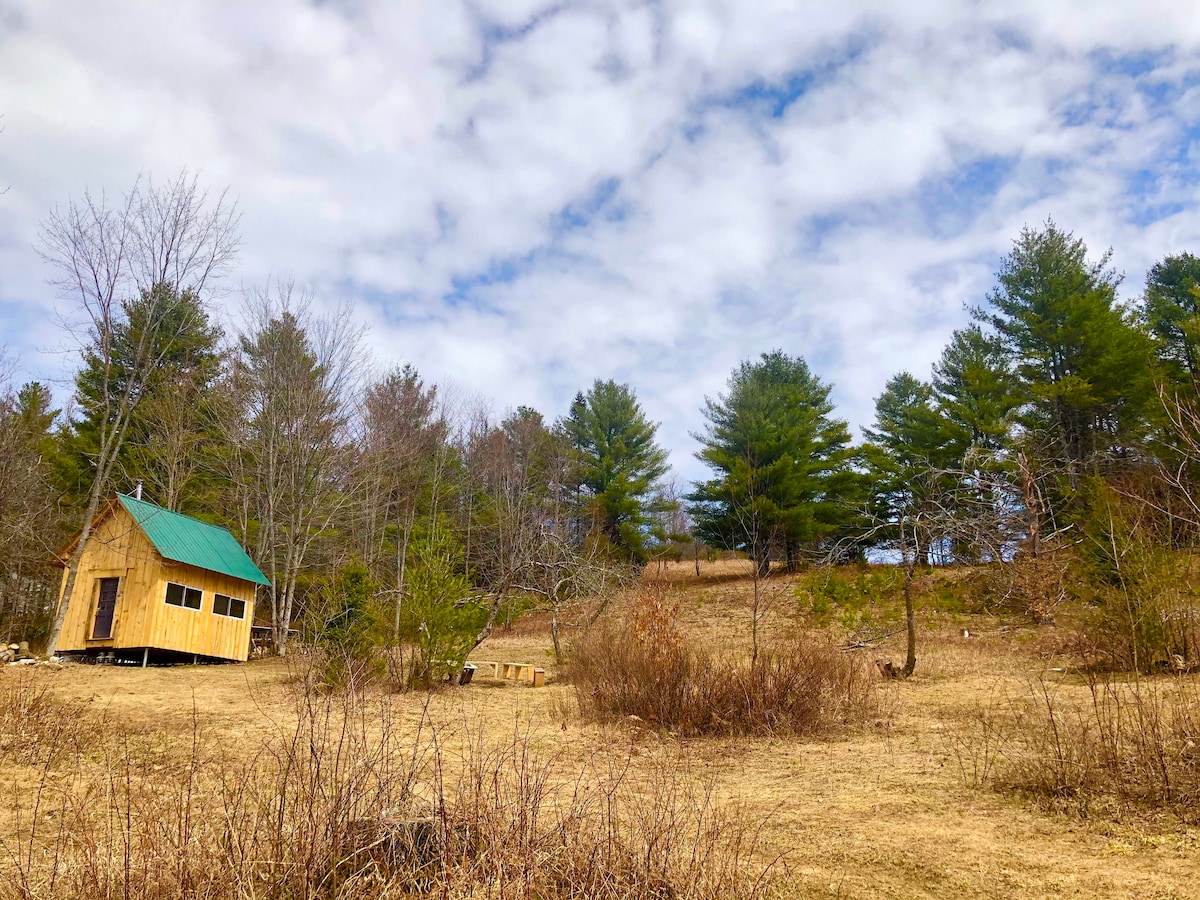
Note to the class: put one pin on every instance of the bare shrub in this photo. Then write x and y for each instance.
(801, 685)
(1122, 745)
(1033, 586)
(978, 743)
(347, 804)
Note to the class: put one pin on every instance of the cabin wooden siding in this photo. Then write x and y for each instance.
(201, 630)
(118, 548)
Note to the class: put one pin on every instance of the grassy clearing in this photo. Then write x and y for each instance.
(213, 780)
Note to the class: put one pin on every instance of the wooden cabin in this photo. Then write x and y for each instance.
(157, 585)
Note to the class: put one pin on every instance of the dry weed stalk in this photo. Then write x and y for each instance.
(1124, 745)
(347, 803)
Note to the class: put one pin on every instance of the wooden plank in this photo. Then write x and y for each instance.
(203, 631)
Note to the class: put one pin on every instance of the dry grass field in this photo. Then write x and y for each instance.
(904, 806)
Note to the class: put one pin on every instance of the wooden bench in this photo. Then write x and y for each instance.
(518, 671)
(480, 664)
(511, 671)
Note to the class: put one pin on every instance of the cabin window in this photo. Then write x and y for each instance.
(180, 595)
(229, 606)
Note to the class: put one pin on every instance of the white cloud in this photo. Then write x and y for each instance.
(417, 157)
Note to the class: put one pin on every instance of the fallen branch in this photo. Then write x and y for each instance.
(868, 643)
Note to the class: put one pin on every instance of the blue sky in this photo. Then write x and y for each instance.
(520, 196)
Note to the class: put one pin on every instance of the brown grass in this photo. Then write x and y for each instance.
(347, 804)
(639, 664)
(878, 812)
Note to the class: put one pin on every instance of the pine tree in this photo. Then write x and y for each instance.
(975, 392)
(30, 518)
(914, 457)
(782, 465)
(172, 417)
(1083, 366)
(619, 463)
(976, 396)
(1171, 312)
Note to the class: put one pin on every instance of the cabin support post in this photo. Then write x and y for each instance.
(145, 657)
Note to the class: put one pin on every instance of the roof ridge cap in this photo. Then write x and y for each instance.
(173, 512)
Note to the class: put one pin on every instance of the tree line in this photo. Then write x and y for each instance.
(381, 505)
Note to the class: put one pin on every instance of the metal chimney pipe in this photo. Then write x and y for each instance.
(137, 491)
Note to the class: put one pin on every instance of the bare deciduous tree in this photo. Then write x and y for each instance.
(156, 243)
(294, 387)
(523, 549)
(942, 509)
(559, 573)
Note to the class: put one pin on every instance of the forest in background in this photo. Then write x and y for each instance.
(1056, 440)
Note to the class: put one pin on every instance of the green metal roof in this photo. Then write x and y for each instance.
(184, 539)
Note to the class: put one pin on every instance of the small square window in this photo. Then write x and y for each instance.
(180, 595)
(229, 606)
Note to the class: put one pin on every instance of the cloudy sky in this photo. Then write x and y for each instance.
(521, 196)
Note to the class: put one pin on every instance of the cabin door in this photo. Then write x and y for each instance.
(105, 608)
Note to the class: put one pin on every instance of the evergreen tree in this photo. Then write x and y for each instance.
(1171, 312)
(914, 456)
(975, 392)
(976, 395)
(33, 417)
(1083, 365)
(619, 463)
(172, 415)
(441, 618)
(782, 465)
(31, 524)
(911, 451)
